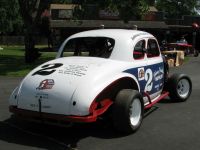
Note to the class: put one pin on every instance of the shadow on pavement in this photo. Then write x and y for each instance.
(169, 101)
(52, 137)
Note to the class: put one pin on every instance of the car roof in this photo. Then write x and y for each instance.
(124, 41)
(112, 33)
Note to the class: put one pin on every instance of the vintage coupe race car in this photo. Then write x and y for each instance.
(106, 71)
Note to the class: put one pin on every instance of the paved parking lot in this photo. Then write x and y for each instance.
(168, 126)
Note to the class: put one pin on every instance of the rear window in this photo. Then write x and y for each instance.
(138, 52)
(89, 46)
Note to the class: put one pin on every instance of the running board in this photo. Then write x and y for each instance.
(163, 95)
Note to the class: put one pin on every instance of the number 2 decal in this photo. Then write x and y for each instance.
(148, 78)
(47, 69)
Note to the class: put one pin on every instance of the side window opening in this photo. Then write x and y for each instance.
(138, 52)
(152, 49)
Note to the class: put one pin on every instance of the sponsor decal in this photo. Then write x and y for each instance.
(46, 84)
(153, 77)
(158, 75)
(141, 73)
(74, 70)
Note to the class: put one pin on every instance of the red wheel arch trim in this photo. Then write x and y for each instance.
(95, 112)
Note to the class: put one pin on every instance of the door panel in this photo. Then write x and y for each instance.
(155, 64)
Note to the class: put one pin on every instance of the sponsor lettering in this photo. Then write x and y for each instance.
(37, 106)
(158, 75)
(41, 95)
(74, 70)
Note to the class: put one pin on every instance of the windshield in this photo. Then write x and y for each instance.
(89, 46)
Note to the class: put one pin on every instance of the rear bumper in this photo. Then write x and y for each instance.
(57, 118)
(46, 117)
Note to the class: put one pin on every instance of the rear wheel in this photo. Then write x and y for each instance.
(128, 110)
(180, 87)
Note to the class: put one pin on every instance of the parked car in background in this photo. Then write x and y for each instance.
(187, 48)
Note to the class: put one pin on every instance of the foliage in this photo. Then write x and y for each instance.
(10, 19)
(128, 10)
(132, 9)
(31, 12)
(176, 9)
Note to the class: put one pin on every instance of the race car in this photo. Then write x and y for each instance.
(106, 71)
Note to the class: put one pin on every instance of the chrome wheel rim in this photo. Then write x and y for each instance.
(135, 112)
(183, 88)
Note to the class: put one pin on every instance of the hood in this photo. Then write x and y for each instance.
(50, 87)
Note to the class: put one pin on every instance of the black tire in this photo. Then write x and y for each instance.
(179, 87)
(166, 69)
(121, 112)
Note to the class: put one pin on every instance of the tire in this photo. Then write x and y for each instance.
(127, 111)
(179, 87)
(166, 69)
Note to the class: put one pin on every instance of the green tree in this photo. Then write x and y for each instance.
(31, 12)
(128, 10)
(10, 19)
(176, 9)
(151, 2)
(131, 9)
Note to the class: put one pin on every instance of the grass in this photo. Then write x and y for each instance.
(12, 61)
(186, 59)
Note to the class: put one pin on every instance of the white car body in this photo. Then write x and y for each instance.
(69, 86)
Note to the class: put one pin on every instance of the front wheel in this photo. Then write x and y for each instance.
(179, 87)
(128, 110)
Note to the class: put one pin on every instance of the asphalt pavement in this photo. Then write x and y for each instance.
(168, 126)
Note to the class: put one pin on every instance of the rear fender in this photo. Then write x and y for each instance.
(106, 97)
(100, 90)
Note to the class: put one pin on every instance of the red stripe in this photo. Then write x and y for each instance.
(163, 95)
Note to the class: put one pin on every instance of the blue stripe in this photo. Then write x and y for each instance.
(157, 80)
